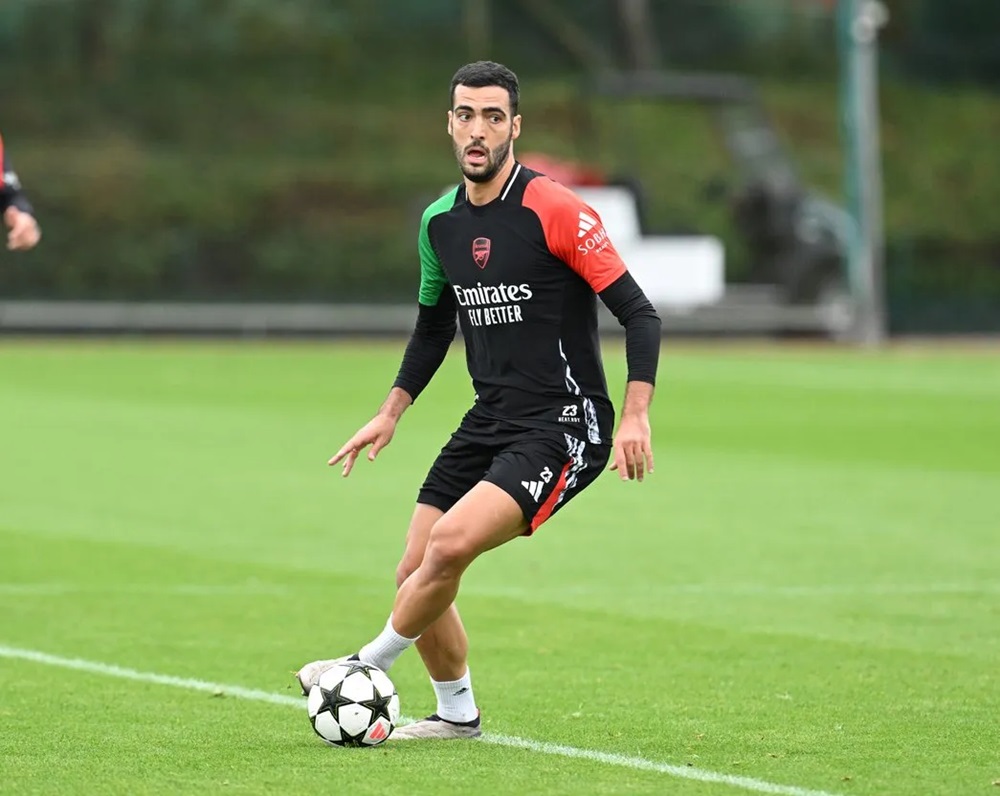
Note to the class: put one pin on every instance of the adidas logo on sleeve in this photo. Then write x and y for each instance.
(587, 223)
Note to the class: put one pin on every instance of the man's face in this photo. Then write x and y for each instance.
(482, 130)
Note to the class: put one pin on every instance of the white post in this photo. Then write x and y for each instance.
(860, 23)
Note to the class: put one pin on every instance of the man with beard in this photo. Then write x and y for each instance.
(520, 259)
(18, 215)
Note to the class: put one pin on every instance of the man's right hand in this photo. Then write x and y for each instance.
(377, 432)
(24, 233)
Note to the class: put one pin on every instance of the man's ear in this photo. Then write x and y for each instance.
(449, 123)
(515, 131)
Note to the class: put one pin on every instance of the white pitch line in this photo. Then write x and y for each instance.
(642, 764)
(541, 747)
(110, 670)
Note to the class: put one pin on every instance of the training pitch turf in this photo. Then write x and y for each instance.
(804, 598)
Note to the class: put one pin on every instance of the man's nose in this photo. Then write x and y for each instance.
(478, 128)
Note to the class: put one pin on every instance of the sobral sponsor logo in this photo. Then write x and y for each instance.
(493, 305)
(595, 241)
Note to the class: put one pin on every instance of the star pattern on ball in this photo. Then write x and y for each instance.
(333, 700)
(357, 667)
(379, 706)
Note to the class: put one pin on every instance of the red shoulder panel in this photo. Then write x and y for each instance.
(574, 232)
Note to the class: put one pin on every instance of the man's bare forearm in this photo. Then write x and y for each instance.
(397, 402)
(638, 397)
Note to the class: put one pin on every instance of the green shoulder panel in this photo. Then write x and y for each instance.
(432, 278)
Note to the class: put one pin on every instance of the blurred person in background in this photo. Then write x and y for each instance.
(23, 232)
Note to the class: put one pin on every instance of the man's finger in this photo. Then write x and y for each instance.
(22, 228)
(647, 451)
(630, 458)
(349, 446)
(640, 463)
(379, 443)
(20, 238)
(621, 463)
(349, 463)
(27, 233)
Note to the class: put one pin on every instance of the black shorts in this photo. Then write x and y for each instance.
(541, 469)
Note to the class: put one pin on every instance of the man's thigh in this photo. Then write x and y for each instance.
(544, 470)
(459, 466)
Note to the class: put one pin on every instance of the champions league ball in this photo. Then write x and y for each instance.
(353, 704)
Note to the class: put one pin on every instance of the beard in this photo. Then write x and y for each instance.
(495, 160)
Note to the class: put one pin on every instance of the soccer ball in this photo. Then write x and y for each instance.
(353, 704)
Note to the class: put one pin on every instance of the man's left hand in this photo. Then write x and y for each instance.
(633, 447)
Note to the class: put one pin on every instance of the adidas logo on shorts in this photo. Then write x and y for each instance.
(534, 488)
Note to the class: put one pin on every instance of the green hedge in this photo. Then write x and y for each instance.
(935, 285)
(247, 150)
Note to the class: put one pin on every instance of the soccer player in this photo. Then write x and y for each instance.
(18, 214)
(520, 260)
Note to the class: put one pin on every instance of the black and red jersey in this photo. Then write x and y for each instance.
(523, 272)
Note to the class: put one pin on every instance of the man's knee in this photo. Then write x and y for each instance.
(406, 567)
(449, 548)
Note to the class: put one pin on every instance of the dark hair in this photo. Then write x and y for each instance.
(487, 73)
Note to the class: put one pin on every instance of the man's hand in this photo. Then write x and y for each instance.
(24, 232)
(633, 447)
(377, 432)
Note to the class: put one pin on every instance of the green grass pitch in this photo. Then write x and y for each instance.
(804, 598)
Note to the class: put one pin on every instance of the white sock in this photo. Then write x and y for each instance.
(385, 648)
(455, 699)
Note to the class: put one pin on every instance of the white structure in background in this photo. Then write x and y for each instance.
(677, 273)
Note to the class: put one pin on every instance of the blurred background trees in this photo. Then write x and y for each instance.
(252, 149)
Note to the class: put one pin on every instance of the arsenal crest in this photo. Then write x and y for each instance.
(481, 251)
